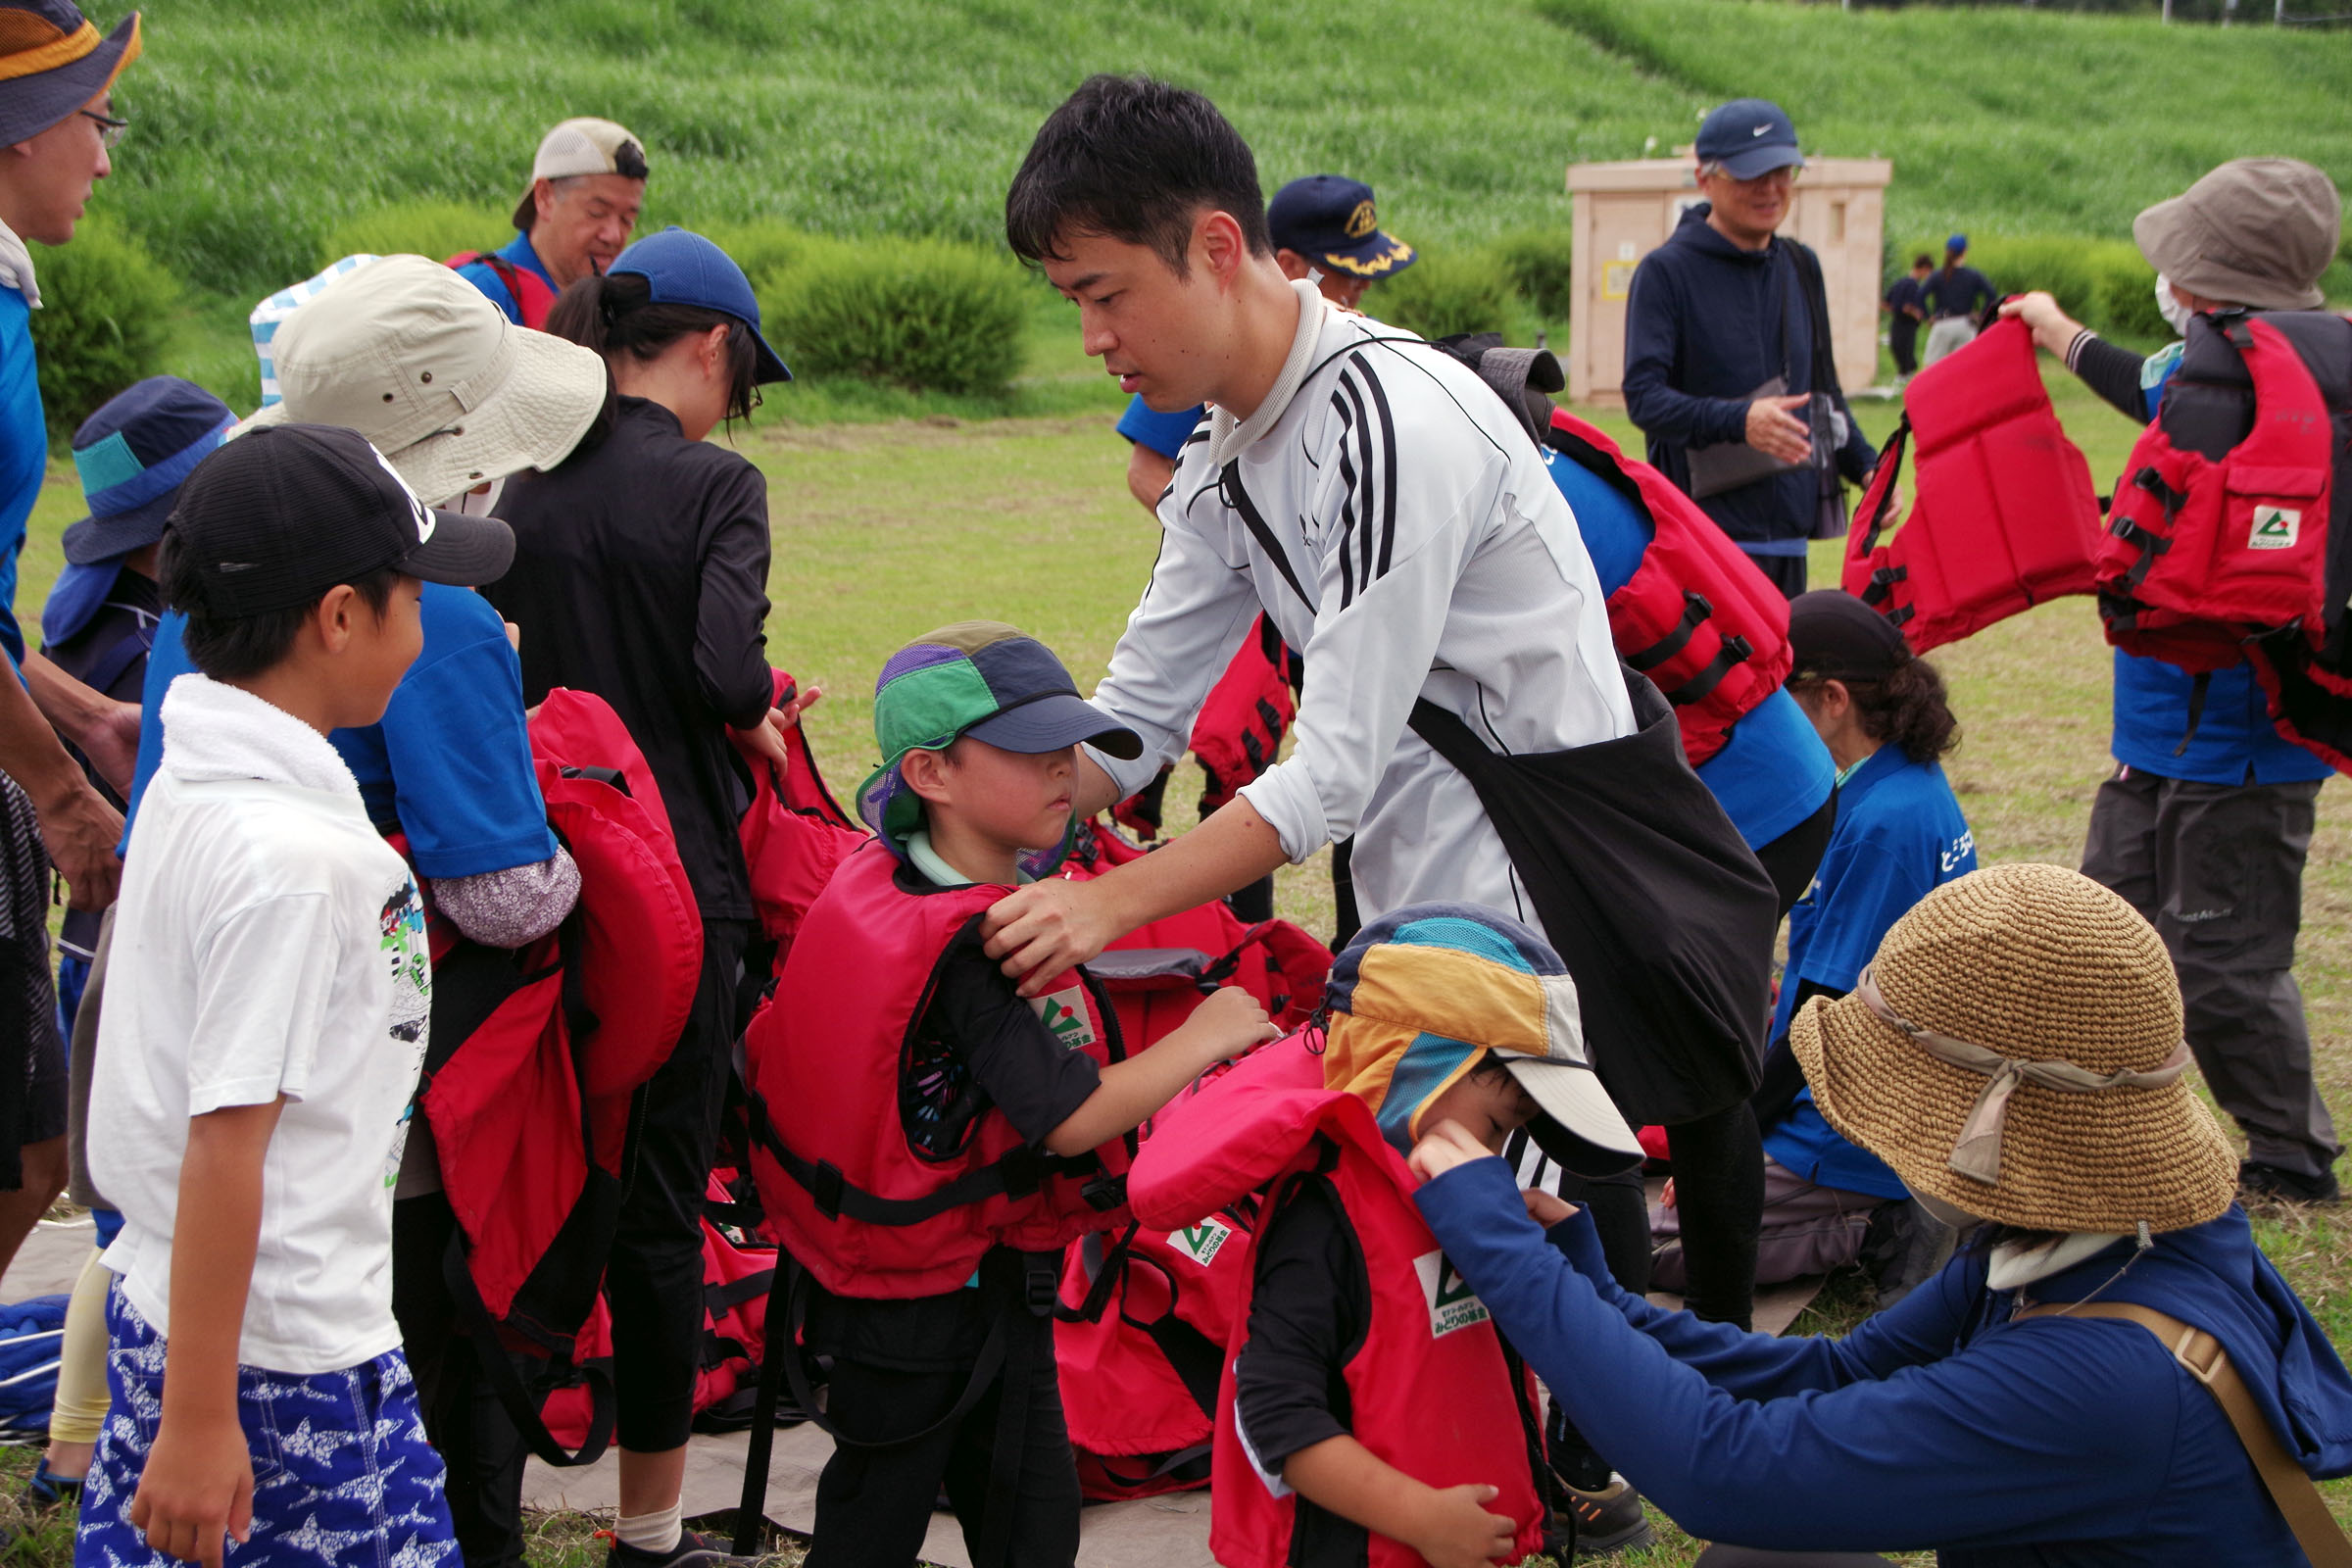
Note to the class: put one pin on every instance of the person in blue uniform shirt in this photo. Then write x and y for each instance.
(576, 215)
(1324, 225)
(1882, 712)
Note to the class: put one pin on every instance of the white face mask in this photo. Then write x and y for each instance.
(2175, 314)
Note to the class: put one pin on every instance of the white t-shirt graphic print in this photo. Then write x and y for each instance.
(268, 943)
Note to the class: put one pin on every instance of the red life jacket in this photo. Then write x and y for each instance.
(1431, 1389)
(1696, 616)
(535, 1053)
(794, 833)
(532, 294)
(2204, 552)
(1249, 710)
(836, 1076)
(2003, 518)
(1156, 974)
(1141, 1343)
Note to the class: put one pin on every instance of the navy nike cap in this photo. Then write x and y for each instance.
(1750, 136)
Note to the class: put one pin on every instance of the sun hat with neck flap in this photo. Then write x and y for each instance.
(2015, 1049)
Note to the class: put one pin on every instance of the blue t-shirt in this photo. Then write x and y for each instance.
(1899, 835)
(2235, 742)
(482, 276)
(449, 766)
(24, 455)
(1772, 772)
(1163, 433)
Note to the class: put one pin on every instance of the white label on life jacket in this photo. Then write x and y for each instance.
(1200, 1242)
(2274, 528)
(1063, 1012)
(1452, 1303)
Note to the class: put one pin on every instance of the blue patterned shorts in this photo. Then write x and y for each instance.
(342, 1473)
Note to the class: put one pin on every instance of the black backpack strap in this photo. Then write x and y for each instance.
(1229, 485)
(498, 1366)
(2199, 686)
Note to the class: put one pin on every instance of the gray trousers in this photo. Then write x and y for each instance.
(2218, 869)
(1807, 1230)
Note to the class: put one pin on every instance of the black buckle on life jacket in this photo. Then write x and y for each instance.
(1103, 1191)
(1696, 609)
(2153, 482)
(1023, 1169)
(1041, 1283)
(825, 1190)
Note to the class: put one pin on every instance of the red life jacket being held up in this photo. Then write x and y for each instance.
(2204, 552)
(1696, 616)
(859, 1182)
(2003, 517)
(1431, 1389)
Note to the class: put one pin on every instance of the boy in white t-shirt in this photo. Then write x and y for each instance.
(252, 1090)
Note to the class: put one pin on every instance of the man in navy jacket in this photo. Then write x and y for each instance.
(1720, 310)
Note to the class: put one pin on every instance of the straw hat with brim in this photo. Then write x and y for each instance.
(413, 357)
(2256, 232)
(53, 60)
(2015, 1051)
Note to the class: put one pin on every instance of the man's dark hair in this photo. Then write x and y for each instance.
(1137, 160)
(1923, 259)
(240, 647)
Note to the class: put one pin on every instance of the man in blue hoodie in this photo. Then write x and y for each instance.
(1720, 313)
(2014, 1053)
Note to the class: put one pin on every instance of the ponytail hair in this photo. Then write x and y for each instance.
(1908, 707)
(616, 315)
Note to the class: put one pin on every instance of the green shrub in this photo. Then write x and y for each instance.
(2127, 296)
(1440, 295)
(2103, 283)
(435, 229)
(105, 322)
(765, 249)
(924, 314)
(1536, 259)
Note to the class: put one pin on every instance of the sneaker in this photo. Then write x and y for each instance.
(693, 1550)
(46, 1488)
(1607, 1521)
(2258, 1180)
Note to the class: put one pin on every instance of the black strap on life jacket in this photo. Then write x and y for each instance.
(1731, 652)
(2199, 684)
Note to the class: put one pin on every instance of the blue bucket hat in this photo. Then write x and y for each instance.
(132, 455)
(1748, 137)
(684, 268)
(53, 60)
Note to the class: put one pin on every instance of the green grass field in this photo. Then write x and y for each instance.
(260, 127)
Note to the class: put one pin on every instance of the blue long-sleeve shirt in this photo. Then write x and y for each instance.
(1937, 1424)
(1705, 324)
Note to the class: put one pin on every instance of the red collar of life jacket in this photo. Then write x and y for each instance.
(532, 294)
(2003, 516)
(841, 1074)
(2204, 554)
(1430, 1390)
(1696, 616)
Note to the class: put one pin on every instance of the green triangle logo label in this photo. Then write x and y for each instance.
(1452, 1304)
(2274, 528)
(1065, 1015)
(1203, 1242)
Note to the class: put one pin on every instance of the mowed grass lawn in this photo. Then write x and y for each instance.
(883, 531)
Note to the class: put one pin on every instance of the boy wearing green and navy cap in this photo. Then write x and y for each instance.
(943, 1139)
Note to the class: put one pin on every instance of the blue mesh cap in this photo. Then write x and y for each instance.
(682, 268)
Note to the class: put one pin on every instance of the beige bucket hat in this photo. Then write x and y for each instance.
(2256, 232)
(414, 357)
(2015, 1049)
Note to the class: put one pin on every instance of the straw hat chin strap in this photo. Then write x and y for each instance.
(1978, 1152)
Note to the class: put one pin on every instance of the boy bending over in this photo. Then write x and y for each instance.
(251, 1096)
(943, 1139)
(1371, 1414)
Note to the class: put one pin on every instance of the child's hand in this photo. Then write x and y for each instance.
(1546, 1208)
(1458, 1532)
(1446, 1145)
(196, 1489)
(1231, 1021)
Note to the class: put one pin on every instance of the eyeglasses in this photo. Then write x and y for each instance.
(110, 129)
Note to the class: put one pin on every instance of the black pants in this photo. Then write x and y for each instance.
(1786, 573)
(873, 1505)
(655, 1283)
(1902, 341)
(2218, 869)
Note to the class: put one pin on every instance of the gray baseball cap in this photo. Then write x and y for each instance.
(2256, 232)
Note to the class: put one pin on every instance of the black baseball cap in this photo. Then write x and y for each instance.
(1749, 136)
(282, 514)
(1330, 220)
(1835, 636)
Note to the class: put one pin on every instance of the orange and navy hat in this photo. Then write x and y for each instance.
(52, 61)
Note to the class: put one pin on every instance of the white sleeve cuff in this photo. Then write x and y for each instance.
(1285, 796)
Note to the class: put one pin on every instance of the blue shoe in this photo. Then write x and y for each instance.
(45, 1488)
